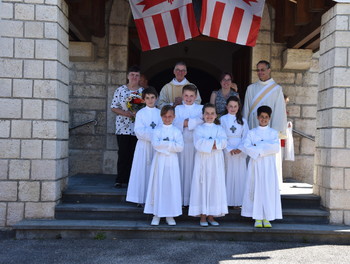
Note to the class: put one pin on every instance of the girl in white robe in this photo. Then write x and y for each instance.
(147, 119)
(164, 189)
(236, 128)
(188, 117)
(262, 200)
(208, 191)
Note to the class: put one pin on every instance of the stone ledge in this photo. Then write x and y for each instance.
(297, 59)
(81, 51)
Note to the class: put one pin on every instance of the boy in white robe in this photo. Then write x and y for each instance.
(164, 188)
(208, 191)
(147, 119)
(236, 128)
(262, 199)
(188, 117)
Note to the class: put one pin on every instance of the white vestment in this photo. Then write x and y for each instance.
(236, 164)
(186, 157)
(208, 191)
(164, 188)
(262, 198)
(172, 90)
(147, 119)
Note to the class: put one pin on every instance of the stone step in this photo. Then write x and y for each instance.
(241, 231)
(79, 196)
(128, 211)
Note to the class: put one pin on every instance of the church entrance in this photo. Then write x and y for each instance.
(206, 59)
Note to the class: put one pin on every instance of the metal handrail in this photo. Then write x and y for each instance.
(84, 123)
(304, 135)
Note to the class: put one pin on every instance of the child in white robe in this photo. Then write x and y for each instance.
(208, 191)
(188, 117)
(262, 199)
(147, 119)
(164, 188)
(236, 128)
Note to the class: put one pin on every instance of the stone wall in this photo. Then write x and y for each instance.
(332, 167)
(300, 84)
(33, 108)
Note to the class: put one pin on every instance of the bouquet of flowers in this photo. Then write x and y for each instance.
(134, 103)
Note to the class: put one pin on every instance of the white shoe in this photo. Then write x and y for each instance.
(155, 220)
(170, 221)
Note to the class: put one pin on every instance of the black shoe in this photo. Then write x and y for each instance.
(118, 185)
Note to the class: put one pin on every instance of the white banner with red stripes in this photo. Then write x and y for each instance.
(162, 23)
(237, 21)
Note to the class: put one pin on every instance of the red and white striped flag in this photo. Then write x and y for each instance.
(237, 21)
(162, 23)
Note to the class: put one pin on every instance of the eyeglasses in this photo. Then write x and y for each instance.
(261, 70)
(182, 71)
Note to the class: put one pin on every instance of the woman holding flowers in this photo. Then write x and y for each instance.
(126, 101)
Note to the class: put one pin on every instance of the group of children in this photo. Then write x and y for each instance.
(183, 158)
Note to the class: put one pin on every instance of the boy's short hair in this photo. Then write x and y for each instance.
(149, 90)
(190, 87)
(167, 108)
(265, 109)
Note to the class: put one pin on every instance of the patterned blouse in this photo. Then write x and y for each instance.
(123, 125)
(220, 101)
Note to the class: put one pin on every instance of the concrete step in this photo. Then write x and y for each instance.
(240, 231)
(128, 211)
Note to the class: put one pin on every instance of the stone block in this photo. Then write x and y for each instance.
(81, 51)
(4, 169)
(342, 8)
(87, 104)
(32, 109)
(110, 162)
(39, 210)
(12, 147)
(336, 57)
(97, 65)
(5, 128)
(293, 110)
(304, 95)
(330, 98)
(45, 170)
(50, 191)
(327, 43)
(6, 45)
(340, 117)
(310, 79)
(24, 12)
(53, 149)
(31, 149)
(85, 161)
(6, 11)
(10, 108)
(121, 11)
(336, 217)
(307, 146)
(3, 214)
(348, 138)
(8, 191)
(309, 111)
(347, 217)
(339, 157)
(46, 129)
(339, 199)
(11, 68)
(22, 88)
(342, 39)
(333, 178)
(5, 87)
(307, 126)
(348, 97)
(96, 78)
(340, 77)
(331, 137)
(116, 79)
(19, 169)
(46, 88)
(86, 142)
(51, 30)
(12, 28)
(112, 142)
(260, 52)
(46, 13)
(118, 35)
(297, 59)
(15, 213)
(277, 50)
(89, 91)
(54, 109)
(299, 79)
(35, 1)
(46, 49)
(34, 29)
(303, 167)
(118, 58)
(284, 77)
(21, 129)
(33, 69)
(29, 191)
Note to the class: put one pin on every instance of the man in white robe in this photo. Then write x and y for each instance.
(171, 93)
(267, 92)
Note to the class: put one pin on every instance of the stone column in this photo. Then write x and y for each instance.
(33, 108)
(332, 162)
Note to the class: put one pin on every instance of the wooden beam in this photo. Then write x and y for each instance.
(78, 27)
(98, 18)
(289, 18)
(303, 16)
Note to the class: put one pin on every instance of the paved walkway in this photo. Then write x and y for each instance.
(89, 251)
